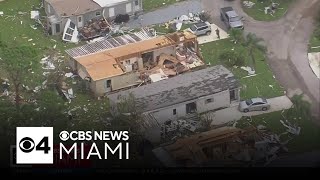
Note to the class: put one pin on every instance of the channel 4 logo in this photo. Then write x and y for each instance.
(34, 145)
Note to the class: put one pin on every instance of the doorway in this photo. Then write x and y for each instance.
(80, 21)
(191, 108)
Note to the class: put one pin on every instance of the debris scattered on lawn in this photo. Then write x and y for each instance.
(68, 94)
(33, 27)
(248, 4)
(70, 74)
(293, 129)
(22, 13)
(30, 40)
(249, 76)
(261, 127)
(35, 14)
(1, 13)
(272, 8)
(249, 70)
(46, 63)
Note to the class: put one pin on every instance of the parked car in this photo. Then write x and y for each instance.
(231, 18)
(254, 104)
(202, 28)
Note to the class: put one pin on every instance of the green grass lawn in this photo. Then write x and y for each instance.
(308, 139)
(257, 11)
(314, 42)
(15, 29)
(149, 5)
(258, 86)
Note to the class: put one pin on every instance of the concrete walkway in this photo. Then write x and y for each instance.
(166, 14)
(314, 61)
(233, 114)
(213, 37)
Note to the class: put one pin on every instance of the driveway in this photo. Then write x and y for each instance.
(287, 41)
(213, 37)
(233, 114)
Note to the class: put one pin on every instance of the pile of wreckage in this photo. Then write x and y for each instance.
(172, 130)
(191, 18)
(226, 147)
(93, 29)
(267, 10)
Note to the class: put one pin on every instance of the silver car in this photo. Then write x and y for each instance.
(254, 104)
(199, 29)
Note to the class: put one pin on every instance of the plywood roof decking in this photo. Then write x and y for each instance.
(110, 43)
(73, 7)
(101, 66)
(93, 56)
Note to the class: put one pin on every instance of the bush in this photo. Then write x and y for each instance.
(231, 58)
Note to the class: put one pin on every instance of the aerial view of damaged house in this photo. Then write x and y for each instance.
(189, 94)
(69, 17)
(134, 60)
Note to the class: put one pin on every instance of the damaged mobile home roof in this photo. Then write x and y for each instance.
(73, 7)
(98, 63)
(181, 88)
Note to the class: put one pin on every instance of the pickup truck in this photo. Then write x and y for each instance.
(231, 18)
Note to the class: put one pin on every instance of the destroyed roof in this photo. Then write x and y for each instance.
(101, 66)
(181, 88)
(110, 43)
(96, 64)
(73, 7)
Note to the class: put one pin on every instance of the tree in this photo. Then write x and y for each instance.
(236, 35)
(253, 44)
(231, 58)
(300, 107)
(16, 61)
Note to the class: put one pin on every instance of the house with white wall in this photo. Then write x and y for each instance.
(136, 59)
(194, 92)
(80, 12)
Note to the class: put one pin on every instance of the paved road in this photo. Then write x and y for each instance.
(166, 14)
(287, 41)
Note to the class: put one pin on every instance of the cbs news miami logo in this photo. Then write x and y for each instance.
(34, 145)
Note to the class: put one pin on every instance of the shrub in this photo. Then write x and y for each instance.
(231, 58)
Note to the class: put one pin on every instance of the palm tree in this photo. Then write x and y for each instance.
(236, 35)
(253, 44)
